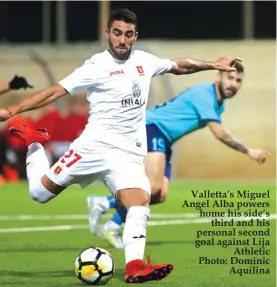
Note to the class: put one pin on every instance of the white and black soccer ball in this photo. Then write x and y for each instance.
(94, 266)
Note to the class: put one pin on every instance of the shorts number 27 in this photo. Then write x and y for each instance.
(70, 158)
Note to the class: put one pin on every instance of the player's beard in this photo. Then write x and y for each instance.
(223, 93)
(121, 54)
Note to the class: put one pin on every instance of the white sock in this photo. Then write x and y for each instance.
(134, 234)
(111, 225)
(36, 166)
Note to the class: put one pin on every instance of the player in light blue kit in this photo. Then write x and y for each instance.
(191, 110)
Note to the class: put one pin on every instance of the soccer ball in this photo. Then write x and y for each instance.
(94, 266)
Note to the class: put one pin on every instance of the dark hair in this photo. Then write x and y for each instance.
(239, 67)
(123, 14)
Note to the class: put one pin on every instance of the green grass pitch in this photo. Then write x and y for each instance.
(40, 258)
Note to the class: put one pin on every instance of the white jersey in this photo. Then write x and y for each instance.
(117, 92)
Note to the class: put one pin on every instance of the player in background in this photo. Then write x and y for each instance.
(15, 84)
(193, 109)
(117, 82)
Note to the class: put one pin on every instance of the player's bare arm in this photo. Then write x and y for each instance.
(190, 66)
(34, 101)
(4, 87)
(227, 138)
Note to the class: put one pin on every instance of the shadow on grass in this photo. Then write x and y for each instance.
(41, 274)
(31, 249)
(166, 242)
(40, 278)
(119, 275)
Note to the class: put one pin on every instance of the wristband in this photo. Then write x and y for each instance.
(9, 112)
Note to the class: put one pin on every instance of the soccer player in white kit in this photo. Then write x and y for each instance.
(113, 143)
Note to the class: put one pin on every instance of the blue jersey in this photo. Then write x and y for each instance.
(187, 112)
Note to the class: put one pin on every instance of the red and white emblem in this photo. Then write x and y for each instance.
(140, 70)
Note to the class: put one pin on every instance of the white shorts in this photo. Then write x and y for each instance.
(116, 170)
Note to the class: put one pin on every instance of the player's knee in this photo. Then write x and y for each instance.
(163, 194)
(157, 198)
(159, 195)
(156, 187)
(142, 199)
(133, 197)
(37, 196)
(39, 193)
(163, 197)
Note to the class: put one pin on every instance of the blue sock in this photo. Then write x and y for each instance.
(122, 211)
(119, 216)
(112, 201)
(116, 218)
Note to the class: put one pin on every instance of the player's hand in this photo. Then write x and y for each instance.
(18, 83)
(4, 115)
(258, 155)
(226, 64)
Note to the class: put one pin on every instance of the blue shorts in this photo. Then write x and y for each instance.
(157, 142)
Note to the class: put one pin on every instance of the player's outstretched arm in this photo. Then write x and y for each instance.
(228, 139)
(4, 87)
(34, 101)
(189, 66)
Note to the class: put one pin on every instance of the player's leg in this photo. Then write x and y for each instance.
(41, 187)
(157, 164)
(133, 191)
(110, 231)
(160, 197)
(134, 238)
(2, 158)
(164, 190)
